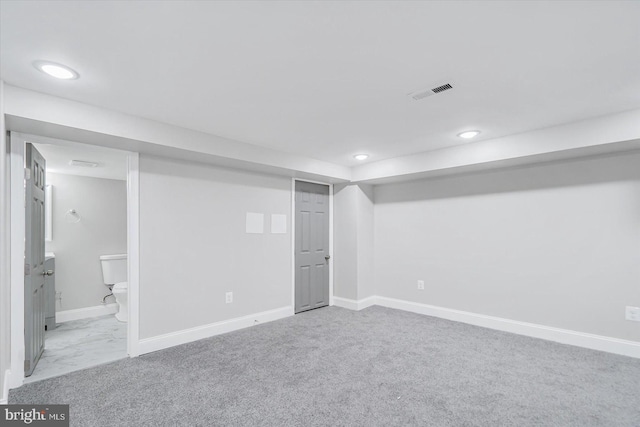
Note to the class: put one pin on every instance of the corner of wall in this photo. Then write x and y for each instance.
(365, 241)
(344, 242)
(354, 276)
(5, 282)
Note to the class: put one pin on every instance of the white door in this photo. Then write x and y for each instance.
(311, 246)
(34, 301)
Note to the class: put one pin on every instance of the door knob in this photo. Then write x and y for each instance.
(327, 257)
(47, 273)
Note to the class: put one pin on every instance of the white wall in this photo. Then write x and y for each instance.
(40, 114)
(366, 283)
(194, 249)
(345, 241)
(555, 245)
(5, 283)
(353, 241)
(599, 135)
(102, 230)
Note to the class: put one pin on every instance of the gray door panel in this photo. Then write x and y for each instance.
(311, 246)
(34, 279)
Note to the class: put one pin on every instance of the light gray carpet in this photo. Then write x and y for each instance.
(335, 367)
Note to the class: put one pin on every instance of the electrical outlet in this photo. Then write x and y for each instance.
(421, 285)
(229, 297)
(632, 313)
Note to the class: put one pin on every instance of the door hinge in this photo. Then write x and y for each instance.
(27, 174)
(27, 365)
(27, 269)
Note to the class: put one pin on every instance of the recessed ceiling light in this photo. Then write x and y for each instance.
(361, 156)
(58, 71)
(469, 134)
(83, 163)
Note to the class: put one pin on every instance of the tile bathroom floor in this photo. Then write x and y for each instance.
(81, 344)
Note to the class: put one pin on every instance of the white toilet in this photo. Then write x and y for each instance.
(114, 273)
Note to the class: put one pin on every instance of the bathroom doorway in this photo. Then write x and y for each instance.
(86, 240)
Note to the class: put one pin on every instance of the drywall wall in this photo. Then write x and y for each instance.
(5, 277)
(554, 244)
(365, 198)
(345, 241)
(353, 241)
(40, 114)
(194, 247)
(102, 230)
(599, 135)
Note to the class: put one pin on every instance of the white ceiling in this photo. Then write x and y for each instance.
(112, 164)
(330, 79)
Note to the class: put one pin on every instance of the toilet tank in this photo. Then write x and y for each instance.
(114, 268)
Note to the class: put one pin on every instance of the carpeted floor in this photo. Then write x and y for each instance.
(335, 367)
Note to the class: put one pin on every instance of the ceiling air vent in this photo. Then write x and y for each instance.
(441, 88)
(421, 94)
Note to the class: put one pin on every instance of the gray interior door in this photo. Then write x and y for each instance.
(34, 293)
(312, 246)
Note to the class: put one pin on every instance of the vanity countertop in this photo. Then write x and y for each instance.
(49, 255)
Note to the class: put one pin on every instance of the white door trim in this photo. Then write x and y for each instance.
(293, 238)
(17, 222)
(133, 253)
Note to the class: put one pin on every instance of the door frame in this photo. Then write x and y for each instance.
(293, 239)
(16, 150)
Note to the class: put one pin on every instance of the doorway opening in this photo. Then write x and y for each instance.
(76, 294)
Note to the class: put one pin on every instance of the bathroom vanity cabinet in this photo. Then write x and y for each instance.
(50, 293)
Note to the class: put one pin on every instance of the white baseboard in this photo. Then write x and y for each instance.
(85, 313)
(172, 339)
(564, 336)
(353, 304)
